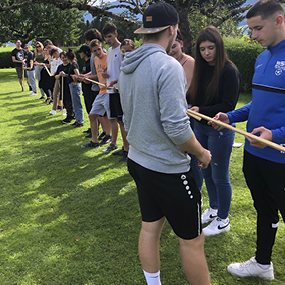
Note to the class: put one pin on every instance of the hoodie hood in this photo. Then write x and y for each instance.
(133, 59)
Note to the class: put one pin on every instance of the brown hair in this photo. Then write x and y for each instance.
(109, 28)
(92, 34)
(213, 35)
(95, 43)
(71, 55)
(265, 9)
(128, 42)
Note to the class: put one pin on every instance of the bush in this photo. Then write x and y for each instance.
(6, 60)
(243, 53)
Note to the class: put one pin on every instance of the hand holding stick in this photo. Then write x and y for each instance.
(99, 83)
(246, 134)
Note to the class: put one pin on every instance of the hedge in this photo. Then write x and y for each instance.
(243, 57)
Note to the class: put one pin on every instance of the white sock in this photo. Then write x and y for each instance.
(152, 278)
(213, 210)
(263, 266)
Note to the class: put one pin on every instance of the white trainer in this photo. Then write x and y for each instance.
(216, 227)
(52, 112)
(209, 215)
(33, 93)
(250, 268)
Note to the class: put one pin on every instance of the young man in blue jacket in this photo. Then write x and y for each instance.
(263, 166)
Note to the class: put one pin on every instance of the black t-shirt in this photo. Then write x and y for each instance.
(65, 69)
(19, 54)
(229, 88)
(86, 88)
(30, 57)
(72, 66)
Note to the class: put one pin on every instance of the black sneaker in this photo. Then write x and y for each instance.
(42, 97)
(120, 152)
(74, 124)
(124, 158)
(110, 148)
(89, 135)
(87, 131)
(106, 140)
(66, 121)
(91, 144)
(101, 136)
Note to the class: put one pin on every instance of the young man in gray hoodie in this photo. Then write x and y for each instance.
(152, 87)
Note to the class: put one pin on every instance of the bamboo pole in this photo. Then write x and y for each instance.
(62, 83)
(264, 141)
(47, 70)
(23, 77)
(99, 83)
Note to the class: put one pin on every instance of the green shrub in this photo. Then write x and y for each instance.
(243, 53)
(6, 60)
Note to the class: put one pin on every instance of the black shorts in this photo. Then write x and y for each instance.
(115, 106)
(174, 196)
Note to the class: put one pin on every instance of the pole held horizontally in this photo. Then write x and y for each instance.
(266, 142)
(99, 83)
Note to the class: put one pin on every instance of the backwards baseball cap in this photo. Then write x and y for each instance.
(26, 46)
(158, 17)
(84, 49)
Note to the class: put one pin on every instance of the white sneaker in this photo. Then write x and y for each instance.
(216, 227)
(209, 215)
(251, 268)
(33, 93)
(52, 112)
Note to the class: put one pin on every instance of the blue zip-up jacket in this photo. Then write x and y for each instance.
(267, 107)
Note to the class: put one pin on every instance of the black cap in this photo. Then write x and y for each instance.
(158, 17)
(84, 49)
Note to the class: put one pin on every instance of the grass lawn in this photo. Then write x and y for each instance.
(70, 216)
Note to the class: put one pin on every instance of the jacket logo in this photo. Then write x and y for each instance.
(279, 67)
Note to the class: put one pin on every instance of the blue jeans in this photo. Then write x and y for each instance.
(217, 174)
(76, 102)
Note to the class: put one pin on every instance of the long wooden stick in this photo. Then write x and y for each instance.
(47, 70)
(23, 77)
(62, 82)
(99, 83)
(266, 142)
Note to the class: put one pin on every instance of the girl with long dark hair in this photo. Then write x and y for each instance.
(214, 88)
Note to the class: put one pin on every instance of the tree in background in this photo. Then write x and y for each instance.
(40, 21)
(103, 8)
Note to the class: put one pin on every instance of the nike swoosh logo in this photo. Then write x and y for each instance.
(220, 228)
(212, 217)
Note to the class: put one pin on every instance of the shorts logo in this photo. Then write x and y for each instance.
(279, 67)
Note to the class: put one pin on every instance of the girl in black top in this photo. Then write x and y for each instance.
(62, 72)
(75, 89)
(214, 88)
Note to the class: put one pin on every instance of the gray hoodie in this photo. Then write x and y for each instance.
(152, 88)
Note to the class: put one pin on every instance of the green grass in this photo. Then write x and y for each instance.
(70, 216)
